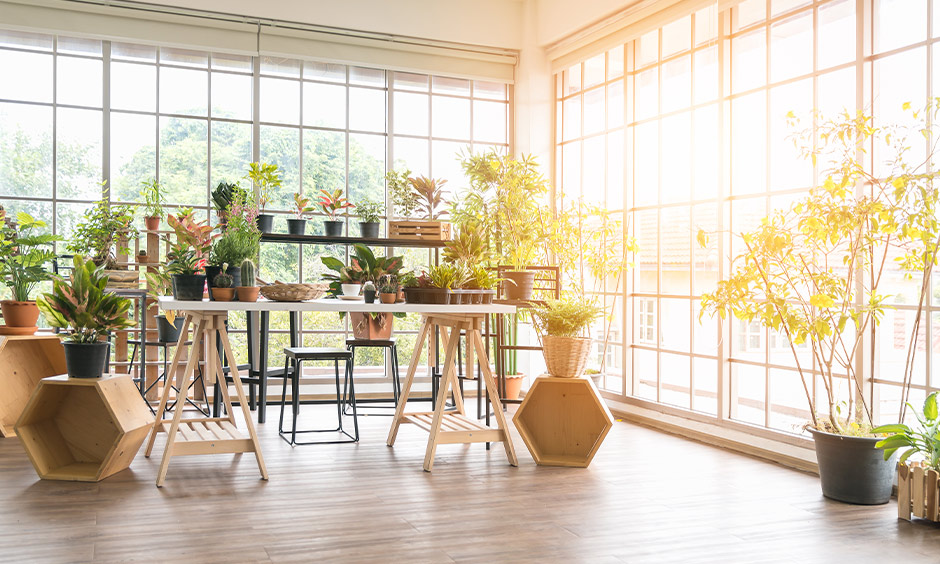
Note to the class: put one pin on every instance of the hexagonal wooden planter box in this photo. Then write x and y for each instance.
(83, 429)
(24, 361)
(563, 421)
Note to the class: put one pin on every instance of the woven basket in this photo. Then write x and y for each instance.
(565, 357)
(294, 292)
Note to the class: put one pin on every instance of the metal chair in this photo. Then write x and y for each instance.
(293, 369)
(392, 348)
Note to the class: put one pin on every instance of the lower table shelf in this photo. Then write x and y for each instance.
(207, 436)
(455, 428)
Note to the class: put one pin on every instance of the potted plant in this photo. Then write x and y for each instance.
(101, 235)
(224, 196)
(170, 322)
(188, 254)
(223, 285)
(23, 255)
(505, 202)
(426, 202)
(923, 443)
(239, 241)
(248, 292)
(302, 210)
(87, 311)
(812, 272)
(562, 326)
(368, 292)
(388, 288)
(364, 267)
(266, 177)
(331, 203)
(154, 200)
(369, 212)
(403, 197)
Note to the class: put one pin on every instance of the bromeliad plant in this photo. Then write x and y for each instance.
(430, 196)
(24, 252)
(812, 272)
(82, 306)
(923, 441)
(333, 202)
(302, 207)
(192, 244)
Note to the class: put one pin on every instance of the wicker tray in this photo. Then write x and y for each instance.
(279, 292)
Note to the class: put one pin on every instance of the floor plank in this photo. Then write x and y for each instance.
(648, 497)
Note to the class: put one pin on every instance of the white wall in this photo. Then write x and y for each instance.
(557, 19)
(494, 23)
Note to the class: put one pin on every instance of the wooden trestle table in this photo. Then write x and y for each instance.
(211, 435)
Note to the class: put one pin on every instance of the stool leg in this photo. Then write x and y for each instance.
(339, 397)
(295, 399)
(280, 421)
(396, 379)
(352, 393)
(349, 375)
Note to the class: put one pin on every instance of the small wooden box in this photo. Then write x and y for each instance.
(24, 361)
(918, 492)
(83, 429)
(427, 230)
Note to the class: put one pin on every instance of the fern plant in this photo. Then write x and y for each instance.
(567, 317)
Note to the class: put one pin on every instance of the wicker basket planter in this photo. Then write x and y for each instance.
(294, 292)
(565, 357)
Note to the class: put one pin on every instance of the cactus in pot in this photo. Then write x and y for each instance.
(249, 291)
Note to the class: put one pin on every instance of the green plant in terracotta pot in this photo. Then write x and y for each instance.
(24, 253)
(248, 291)
(102, 235)
(223, 286)
(154, 200)
(87, 312)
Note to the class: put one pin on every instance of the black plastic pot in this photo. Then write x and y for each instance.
(333, 228)
(169, 332)
(369, 296)
(85, 360)
(188, 287)
(265, 222)
(852, 470)
(369, 230)
(296, 226)
(212, 271)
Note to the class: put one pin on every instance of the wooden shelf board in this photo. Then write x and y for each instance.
(75, 472)
(372, 242)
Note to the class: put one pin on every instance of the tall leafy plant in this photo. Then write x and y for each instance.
(267, 178)
(101, 227)
(154, 199)
(24, 253)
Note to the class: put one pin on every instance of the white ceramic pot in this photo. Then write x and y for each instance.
(351, 289)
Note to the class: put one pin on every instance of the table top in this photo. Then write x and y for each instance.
(331, 304)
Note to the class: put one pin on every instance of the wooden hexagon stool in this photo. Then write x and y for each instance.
(563, 421)
(83, 429)
(24, 361)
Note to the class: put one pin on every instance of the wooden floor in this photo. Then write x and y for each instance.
(648, 497)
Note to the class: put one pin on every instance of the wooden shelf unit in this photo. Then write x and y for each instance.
(24, 361)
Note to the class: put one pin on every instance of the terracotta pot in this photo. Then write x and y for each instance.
(388, 298)
(514, 385)
(247, 293)
(19, 314)
(152, 223)
(518, 284)
(367, 327)
(223, 294)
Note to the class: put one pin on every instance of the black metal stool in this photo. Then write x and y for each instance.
(296, 356)
(144, 391)
(392, 347)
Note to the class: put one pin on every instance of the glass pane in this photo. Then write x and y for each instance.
(706, 74)
(836, 33)
(748, 53)
(647, 49)
(706, 147)
(595, 153)
(451, 117)
(184, 91)
(778, 7)
(231, 152)
(593, 111)
(183, 160)
(898, 23)
(896, 82)
(133, 87)
(366, 109)
(231, 96)
(78, 81)
(750, 12)
(645, 374)
(281, 146)
(646, 273)
(37, 66)
(677, 36)
(675, 318)
(615, 104)
(789, 409)
(130, 52)
(647, 94)
(675, 388)
(677, 84)
(446, 164)
(571, 182)
(489, 121)
(327, 72)
(366, 77)
(646, 163)
(280, 101)
(324, 105)
(324, 161)
(133, 154)
(615, 162)
(22, 39)
(367, 166)
(184, 57)
(410, 81)
(836, 92)
(748, 385)
(238, 63)
(615, 62)
(573, 79)
(791, 47)
(705, 385)
(676, 260)
(490, 90)
(77, 46)
(411, 113)
(706, 25)
(788, 169)
(571, 123)
(78, 153)
(745, 215)
(748, 144)
(280, 66)
(676, 185)
(594, 71)
(446, 85)
(25, 150)
(413, 154)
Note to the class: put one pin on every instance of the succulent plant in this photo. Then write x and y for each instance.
(248, 273)
(223, 280)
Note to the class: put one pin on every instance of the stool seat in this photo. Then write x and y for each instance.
(370, 342)
(317, 353)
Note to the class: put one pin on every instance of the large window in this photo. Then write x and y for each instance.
(80, 112)
(705, 146)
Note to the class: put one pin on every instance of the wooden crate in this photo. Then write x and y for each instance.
(82, 429)
(426, 230)
(563, 421)
(918, 489)
(24, 361)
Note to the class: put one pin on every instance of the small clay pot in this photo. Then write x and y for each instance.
(248, 293)
(19, 314)
(223, 294)
(388, 298)
(152, 223)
